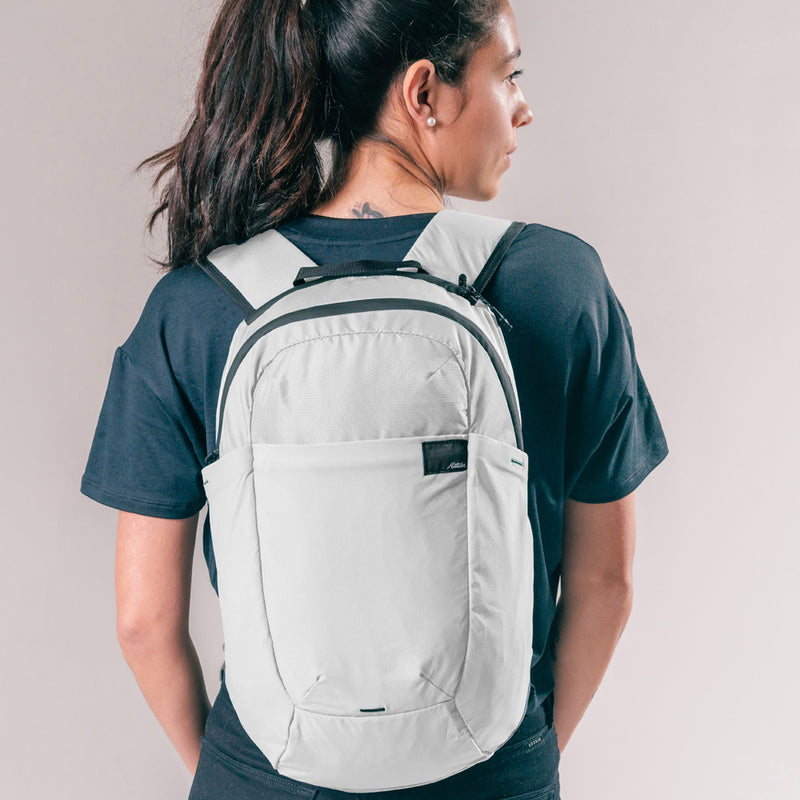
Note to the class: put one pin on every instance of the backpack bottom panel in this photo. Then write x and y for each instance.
(365, 754)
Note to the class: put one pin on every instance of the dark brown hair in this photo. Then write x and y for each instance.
(279, 77)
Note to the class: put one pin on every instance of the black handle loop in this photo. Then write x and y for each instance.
(356, 268)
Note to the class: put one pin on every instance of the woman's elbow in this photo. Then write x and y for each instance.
(621, 592)
(141, 632)
(607, 589)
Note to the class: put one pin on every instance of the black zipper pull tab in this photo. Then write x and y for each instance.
(212, 456)
(466, 289)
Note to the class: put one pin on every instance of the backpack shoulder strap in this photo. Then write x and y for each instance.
(456, 242)
(257, 270)
(498, 254)
(452, 243)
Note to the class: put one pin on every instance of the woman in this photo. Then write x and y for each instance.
(417, 99)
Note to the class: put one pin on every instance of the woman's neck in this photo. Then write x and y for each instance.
(379, 184)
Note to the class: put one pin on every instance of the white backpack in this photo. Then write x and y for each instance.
(368, 508)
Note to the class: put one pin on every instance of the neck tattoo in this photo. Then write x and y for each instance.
(366, 212)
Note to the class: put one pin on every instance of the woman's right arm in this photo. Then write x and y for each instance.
(153, 579)
(595, 602)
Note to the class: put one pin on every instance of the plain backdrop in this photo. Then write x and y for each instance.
(667, 135)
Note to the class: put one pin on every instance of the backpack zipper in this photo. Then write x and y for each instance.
(466, 289)
(462, 288)
(334, 309)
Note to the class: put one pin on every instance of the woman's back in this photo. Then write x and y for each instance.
(589, 427)
(590, 430)
(417, 100)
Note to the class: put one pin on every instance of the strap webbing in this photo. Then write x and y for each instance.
(346, 268)
(226, 285)
(498, 254)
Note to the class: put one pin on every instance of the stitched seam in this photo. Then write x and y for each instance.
(425, 677)
(446, 361)
(301, 235)
(470, 469)
(362, 716)
(126, 496)
(644, 468)
(443, 342)
(264, 600)
(131, 499)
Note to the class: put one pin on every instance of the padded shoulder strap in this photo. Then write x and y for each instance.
(256, 270)
(456, 242)
(452, 243)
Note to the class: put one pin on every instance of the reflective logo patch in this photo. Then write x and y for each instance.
(444, 455)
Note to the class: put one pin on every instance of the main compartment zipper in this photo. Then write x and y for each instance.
(374, 304)
(466, 289)
(462, 288)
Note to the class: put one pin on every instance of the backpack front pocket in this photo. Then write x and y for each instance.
(375, 586)
(364, 561)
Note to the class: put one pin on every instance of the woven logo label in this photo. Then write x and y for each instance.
(444, 455)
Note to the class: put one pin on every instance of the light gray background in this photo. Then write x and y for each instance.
(666, 135)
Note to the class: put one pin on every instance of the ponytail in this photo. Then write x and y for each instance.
(280, 75)
(247, 160)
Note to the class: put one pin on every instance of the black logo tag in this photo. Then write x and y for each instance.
(448, 455)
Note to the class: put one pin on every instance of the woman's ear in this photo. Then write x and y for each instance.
(420, 91)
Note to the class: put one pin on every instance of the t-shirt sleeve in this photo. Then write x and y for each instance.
(143, 457)
(614, 437)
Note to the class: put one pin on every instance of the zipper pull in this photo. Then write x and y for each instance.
(466, 289)
(212, 456)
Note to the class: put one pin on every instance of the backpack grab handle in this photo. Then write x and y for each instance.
(356, 268)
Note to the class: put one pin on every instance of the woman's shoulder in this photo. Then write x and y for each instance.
(180, 291)
(185, 314)
(551, 250)
(548, 268)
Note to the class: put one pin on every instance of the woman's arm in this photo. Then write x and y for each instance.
(153, 578)
(595, 602)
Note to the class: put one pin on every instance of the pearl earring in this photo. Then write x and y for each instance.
(431, 121)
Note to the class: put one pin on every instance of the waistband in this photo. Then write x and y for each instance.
(534, 722)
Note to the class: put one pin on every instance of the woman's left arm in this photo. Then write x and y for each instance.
(153, 575)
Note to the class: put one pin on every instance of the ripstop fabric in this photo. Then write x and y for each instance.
(379, 637)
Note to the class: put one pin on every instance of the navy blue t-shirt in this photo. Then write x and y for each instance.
(589, 425)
